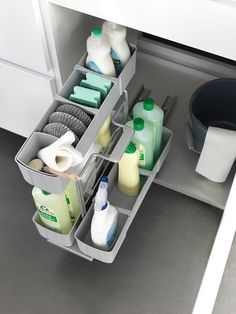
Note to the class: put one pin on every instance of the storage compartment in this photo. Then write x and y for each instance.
(55, 237)
(126, 74)
(127, 207)
(74, 80)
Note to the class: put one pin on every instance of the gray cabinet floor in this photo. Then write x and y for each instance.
(157, 271)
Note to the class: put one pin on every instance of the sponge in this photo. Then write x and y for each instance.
(87, 97)
(98, 83)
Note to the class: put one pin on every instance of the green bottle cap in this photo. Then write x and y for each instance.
(148, 104)
(45, 192)
(138, 124)
(131, 148)
(97, 32)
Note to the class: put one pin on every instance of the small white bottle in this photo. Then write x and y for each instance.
(116, 36)
(128, 174)
(99, 58)
(105, 217)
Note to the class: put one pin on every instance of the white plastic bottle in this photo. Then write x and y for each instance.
(104, 135)
(153, 115)
(128, 174)
(53, 210)
(116, 36)
(99, 58)
(105, 217)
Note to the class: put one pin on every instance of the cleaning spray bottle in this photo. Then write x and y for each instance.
(105, 218)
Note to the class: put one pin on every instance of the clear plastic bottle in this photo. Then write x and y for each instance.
(53, 210)
(128, 174)
(105, 218)
(116, 36)
(144, 140)
(99, 58)
(104, 135)
(153, 115)
(72, 200)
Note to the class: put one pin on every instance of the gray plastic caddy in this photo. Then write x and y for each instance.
(38, 140)
(127, 207)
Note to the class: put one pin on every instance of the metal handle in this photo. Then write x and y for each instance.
(189, 136)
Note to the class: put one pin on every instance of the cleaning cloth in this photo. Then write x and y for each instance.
(218, 154)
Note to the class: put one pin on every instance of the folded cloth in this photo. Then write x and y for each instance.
(60, 155)
(218, 154)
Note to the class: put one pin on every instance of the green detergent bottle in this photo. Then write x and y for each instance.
(53, 210)
(153, 115)
(72, 200)
(144, 140)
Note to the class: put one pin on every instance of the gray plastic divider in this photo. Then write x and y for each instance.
(126, 74)
(127, 207)
(55, 237)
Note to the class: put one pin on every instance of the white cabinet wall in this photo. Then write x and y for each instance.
(25, 98)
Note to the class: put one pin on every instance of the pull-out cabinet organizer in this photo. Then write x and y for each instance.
(106, 162)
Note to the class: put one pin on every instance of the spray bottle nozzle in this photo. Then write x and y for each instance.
(101, 195)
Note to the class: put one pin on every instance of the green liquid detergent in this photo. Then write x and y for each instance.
(72, 200)
(144, 140)
(53, 210)
(153, 116)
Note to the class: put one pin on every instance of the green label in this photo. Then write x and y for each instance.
(67, 200)
(47, 216)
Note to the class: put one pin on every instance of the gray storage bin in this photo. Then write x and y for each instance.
(122, 81)
(127, 207)
(55, 237)
(42, 180)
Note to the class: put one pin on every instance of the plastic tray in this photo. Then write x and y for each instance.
(127, 207)
(52, 236)
(126, 74)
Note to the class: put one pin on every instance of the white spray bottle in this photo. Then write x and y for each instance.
(104, 222)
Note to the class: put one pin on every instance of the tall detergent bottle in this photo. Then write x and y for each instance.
(99, 58)
(128, 173)
(72, 201)
(105, 217)
(153, 115)
(116, 36)
(104, 135)
(53, 210)
(144, 140)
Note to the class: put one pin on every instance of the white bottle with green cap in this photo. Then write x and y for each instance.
(99, 58)
(128, 173)
(144, 140)
(153, 115)
(116, 36)
(53, 210)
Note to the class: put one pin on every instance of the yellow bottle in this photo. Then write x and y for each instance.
(128, 173)
(53, 210)
(72, 200)
(104, 135)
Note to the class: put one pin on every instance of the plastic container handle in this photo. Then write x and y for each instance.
(123, 142)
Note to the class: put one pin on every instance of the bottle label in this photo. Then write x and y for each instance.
(91, 65)
(48, 217)
(116, 60)
(112, 234)
(142, 155)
